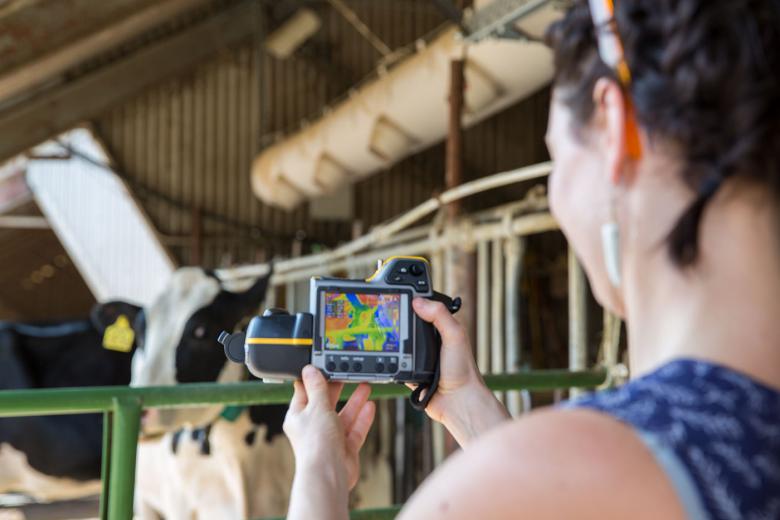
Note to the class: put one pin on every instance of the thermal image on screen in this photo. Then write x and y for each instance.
(362, 322)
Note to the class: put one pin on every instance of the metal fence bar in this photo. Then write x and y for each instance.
(58, 401)
(123, 406)
(124, 444)
(105, 465)
(497, 344)
(578, 319)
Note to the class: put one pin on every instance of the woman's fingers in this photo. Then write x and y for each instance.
(334, 392)
(351, 410)
(356, 436)
(299, 398)
(435, 312)
(316, 386)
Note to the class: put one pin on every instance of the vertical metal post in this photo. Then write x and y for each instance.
(513, 254)
(440, 260)
(497, 311)
(460, 260)
(454, 163)
(483, 306)
(399, 476)
(105, 465)
(125, 428)
(578, 331)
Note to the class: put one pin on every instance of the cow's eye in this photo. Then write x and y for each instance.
(199, 332)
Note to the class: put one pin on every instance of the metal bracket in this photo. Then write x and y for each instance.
(498, 19)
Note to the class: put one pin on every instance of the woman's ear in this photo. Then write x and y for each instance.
(611, 117)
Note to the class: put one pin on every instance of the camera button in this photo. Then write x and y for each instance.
(357, 367)
(330, 366)
(344, 366)
(393, 368)
(416, 269)
(380, 367)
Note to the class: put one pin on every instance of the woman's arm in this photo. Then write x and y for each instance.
(326, 445)
(463, 404)
(549, 465)
(319, 490)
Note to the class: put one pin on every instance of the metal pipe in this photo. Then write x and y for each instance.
(59, 401)
(578, 329)
(497, 311)
(514, 248)
(105, 465)
(23, 222)
(525, 225)
(453, 172)
(483, 306)
(126, 425)
(354, 20)
(384, 231)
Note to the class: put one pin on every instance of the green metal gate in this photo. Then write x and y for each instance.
(121, 407)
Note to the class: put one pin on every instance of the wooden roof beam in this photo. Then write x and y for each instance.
(54, 64)
(53, 112)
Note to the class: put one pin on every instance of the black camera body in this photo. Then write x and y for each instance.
(356, 331)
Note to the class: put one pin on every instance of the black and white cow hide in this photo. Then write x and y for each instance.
(57, 457)
(207, 466)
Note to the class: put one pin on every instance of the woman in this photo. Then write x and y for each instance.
(667, 176)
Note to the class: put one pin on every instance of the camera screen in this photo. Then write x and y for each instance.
(367, 322)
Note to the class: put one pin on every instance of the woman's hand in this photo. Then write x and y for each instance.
(462, 402)
(324, 441)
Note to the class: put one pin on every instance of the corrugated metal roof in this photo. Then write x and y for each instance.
(193, 138)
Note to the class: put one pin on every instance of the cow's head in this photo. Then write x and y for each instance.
(103, 315)
(177, 340)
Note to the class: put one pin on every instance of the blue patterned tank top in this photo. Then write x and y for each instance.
(714, 432)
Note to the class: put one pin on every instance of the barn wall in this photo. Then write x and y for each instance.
(38, 280)
(189, 143)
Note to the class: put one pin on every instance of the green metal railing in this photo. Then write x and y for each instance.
(122, 407)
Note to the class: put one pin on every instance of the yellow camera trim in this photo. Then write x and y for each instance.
(280, 341)
(398, 257)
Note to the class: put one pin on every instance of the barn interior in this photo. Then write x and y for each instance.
(142, 136)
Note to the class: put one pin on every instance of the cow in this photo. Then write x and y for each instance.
(58, 457)
(212, 462)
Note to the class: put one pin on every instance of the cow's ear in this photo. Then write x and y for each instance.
(253, 297)
(105, 314)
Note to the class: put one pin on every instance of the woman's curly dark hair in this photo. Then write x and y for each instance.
(705, 78)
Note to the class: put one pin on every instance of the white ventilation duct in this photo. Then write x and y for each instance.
(401, 112)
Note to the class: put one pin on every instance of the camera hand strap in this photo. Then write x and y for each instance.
(419, 401)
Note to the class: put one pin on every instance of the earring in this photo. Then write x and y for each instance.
(610, 243)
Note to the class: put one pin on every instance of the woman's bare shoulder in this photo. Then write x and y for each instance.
(550, 464)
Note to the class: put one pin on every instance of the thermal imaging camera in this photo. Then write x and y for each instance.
(355, 331)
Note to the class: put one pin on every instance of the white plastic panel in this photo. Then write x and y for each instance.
(98, 222)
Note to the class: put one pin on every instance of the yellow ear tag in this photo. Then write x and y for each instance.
(119, 336)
